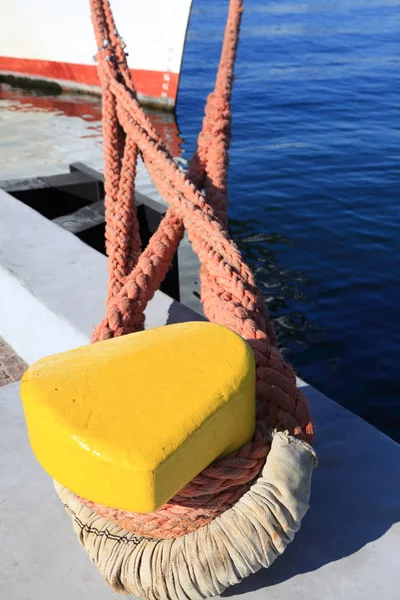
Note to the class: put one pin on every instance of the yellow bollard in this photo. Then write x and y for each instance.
(128, 422)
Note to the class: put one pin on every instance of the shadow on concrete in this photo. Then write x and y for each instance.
(179, 313)
(355, 495)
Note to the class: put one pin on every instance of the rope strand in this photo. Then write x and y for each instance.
(198, 203)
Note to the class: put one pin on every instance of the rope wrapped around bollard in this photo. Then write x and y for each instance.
(239, 513)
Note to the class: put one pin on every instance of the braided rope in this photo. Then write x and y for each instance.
(228, 290)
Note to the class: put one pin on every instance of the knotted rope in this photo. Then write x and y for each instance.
(198, 203)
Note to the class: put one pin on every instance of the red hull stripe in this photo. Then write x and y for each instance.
(155, 84)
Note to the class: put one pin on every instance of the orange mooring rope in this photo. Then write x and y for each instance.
(228, 291)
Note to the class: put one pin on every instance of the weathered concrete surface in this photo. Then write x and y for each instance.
(12, 366)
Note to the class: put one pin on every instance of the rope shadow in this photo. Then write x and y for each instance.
(354, 500)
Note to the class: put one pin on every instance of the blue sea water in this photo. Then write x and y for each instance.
(314, 182)
(314, 178)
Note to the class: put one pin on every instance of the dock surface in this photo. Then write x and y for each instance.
(348, 546)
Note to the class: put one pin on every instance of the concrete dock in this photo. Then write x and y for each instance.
(53, 291)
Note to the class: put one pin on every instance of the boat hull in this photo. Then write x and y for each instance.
(55, 43)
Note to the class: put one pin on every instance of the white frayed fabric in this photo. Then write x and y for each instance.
(245, 538)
